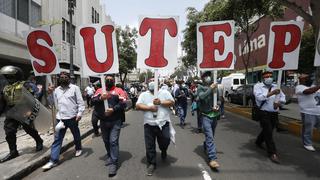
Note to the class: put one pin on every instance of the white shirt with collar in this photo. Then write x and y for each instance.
(308, 103)
(260, 91)
(163, 114)
(68, 101)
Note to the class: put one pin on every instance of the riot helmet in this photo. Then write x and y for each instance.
(12, 73)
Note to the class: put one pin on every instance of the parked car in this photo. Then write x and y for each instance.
(236, 95)
(232, 82)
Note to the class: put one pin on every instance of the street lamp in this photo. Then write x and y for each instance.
(71, 6)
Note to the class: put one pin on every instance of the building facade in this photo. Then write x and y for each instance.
(22, 15)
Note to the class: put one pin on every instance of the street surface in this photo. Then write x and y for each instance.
(239, 158)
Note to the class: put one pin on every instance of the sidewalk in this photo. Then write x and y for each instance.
(289, 117)
(30, 160)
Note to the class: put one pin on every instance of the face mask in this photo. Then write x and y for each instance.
(207, 79)
(151, 87)
(109, 83)
(268, 81)
(64, 81)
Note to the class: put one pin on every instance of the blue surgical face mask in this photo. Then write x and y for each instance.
(151, 87)
(268, 81)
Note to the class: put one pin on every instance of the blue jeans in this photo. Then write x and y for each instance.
(182, 112)
(222, 108)
(209, 127)
(110, 134)
(308, 123)
(72, 124)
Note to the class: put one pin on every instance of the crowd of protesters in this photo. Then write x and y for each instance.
(172, 98)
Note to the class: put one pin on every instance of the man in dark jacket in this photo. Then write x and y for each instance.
(110, 121)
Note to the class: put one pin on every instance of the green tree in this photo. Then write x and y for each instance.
(306, 56)
(126, 41)
(144, 76)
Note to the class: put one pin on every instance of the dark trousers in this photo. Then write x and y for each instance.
(10, 128)
(151, 133)
(94, 121)
(88, 101)
(134, 100)
(268, 122)
(110, 134)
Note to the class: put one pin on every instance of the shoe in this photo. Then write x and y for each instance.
(309, 148)
(223, 117)
(108, 161)
(150, 169)
(11, 155)
(112, 170)
(214, 164)
(163, 155)
(282, 130)
(78, 153)
(199, 130)
(39, 146)
(274, 158)
(96, 134)
(49, 165)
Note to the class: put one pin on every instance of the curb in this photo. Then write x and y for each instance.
(293, 126)
(32, 167)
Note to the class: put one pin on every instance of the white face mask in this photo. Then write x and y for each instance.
(268, 81)
(207, 79)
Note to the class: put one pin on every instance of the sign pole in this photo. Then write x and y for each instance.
(53, 106)
(215, 92)
(103, 86)
(279, 84)
(156, 80)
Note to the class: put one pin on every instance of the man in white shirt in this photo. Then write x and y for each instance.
(133, 96)
(70, 106)
(89, 93)
(268, 98)
(156, 123)
(308, 99)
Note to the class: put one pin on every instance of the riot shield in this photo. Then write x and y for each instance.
(28, 110)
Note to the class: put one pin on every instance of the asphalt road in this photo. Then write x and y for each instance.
(238, 156)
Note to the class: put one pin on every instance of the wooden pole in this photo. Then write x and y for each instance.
(103, 85)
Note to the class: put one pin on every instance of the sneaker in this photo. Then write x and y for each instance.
(78, 153)
(112, 170)
(214, 164)
(274, 158)
(223, 116)
(49, 165)
(150, 169)
(309, 148)
(163, 155)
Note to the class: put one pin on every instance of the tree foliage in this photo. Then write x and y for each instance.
(126, 42)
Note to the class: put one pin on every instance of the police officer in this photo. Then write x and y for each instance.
(9, 96)
(268, 98)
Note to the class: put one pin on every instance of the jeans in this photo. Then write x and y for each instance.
(182, 113)
(268, 122)
(199, 119)
(110, 134)
(94, 121)
(209, 127)
(308, 123)
(151, 133)
(72, 124)
(222, 108)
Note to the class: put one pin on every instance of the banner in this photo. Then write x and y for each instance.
(157, 42)
(42, 53)
(98, 47)
(215, 44)
(317, 55)
(284, 45)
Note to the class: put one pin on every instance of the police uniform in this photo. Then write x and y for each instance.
(11, 94)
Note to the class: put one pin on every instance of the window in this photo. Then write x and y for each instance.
(8, 7)
(92, 15)
(242, 81)
(35, 14)
(68, 31)
(236, 81)
(23, 9)
(63, 29)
